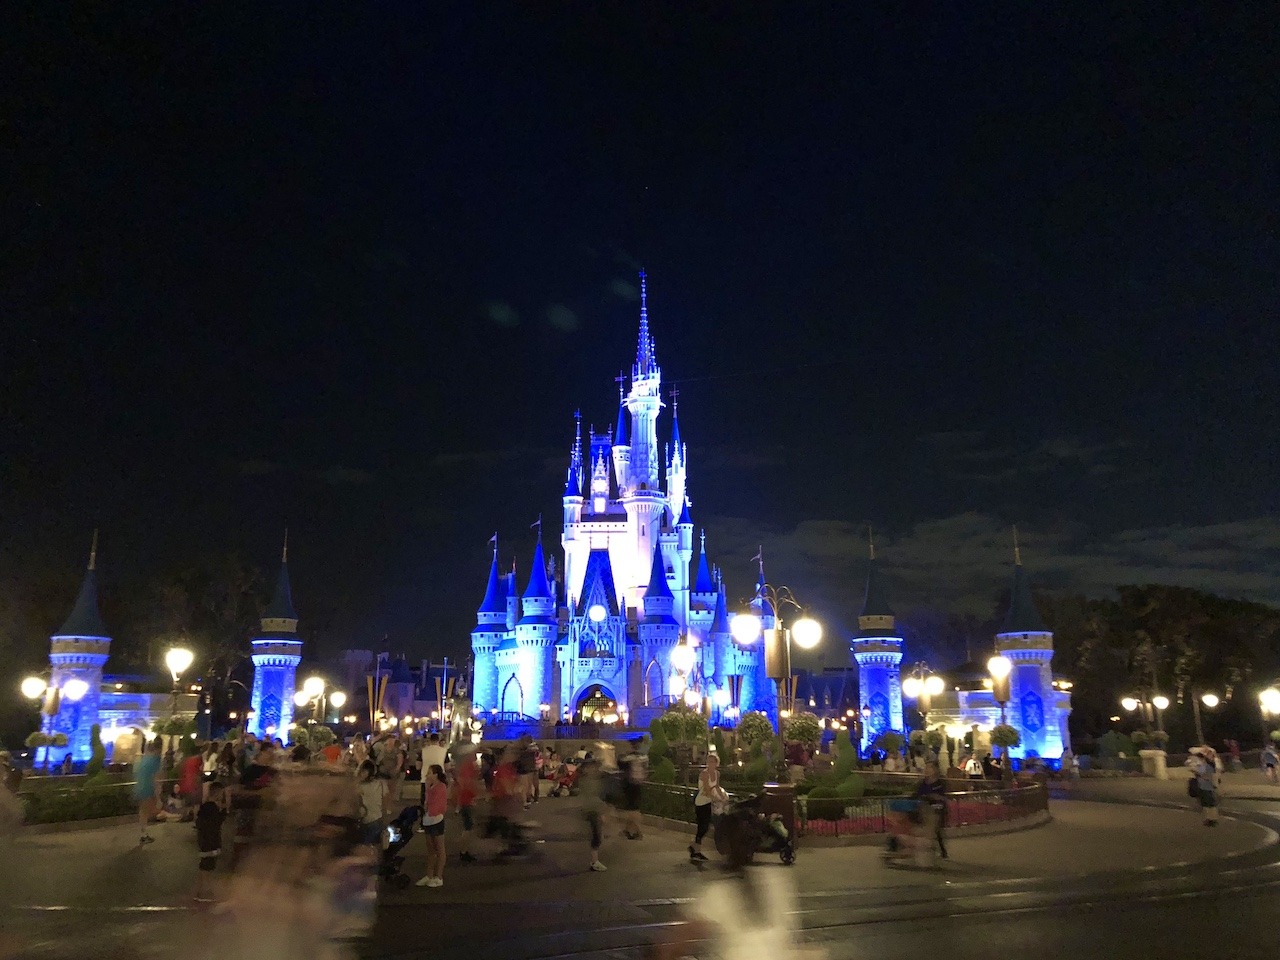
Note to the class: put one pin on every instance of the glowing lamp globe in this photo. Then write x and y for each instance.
(596, 612)
(300, 698)
(691, 698)
(74, 689)
(177, 659)
(806, 632)
(1129, 703)
(999, 666)
(33, 687)
(1270, 700)
(720, 698)
(911, 687)
(934, 685)
(1210, 700)
(313, 687)
(745, 627)
(338, 699)
(682, 657)
(1160, 702)
(676, 686)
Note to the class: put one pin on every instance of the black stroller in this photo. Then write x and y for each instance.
(394, 837)
(743, 831)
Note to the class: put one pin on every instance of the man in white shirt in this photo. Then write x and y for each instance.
(433, 751)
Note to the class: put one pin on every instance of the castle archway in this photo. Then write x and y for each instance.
(512, 698)
(595, 701)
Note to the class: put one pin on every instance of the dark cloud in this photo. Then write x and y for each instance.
(258, 468)
(502, 313)
(624, 289)
(562, 318)
(346, 476)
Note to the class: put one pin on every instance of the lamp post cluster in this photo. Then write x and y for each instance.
(316, 694)
(806, 632)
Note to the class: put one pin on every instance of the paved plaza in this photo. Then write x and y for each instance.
(139, 898)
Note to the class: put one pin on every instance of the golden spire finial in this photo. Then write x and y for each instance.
(93, 550)
(1017, 554)
(284, 554)
(871, 542)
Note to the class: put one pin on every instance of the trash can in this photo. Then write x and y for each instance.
(780, 798)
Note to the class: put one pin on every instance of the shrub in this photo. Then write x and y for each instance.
(823, 803)
(754, 729)
(36, 740)
(58, 740)
(662, 770)
(97, 752)
(1139, 738)
(935, 740)
(1275, 736)
(890, 742)
(851, 787)
(321, 737)
(1160, 739)
(657, 741)
(846, 758)
(1114, 744)
(803, 727)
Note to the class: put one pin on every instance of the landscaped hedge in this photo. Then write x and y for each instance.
(87, 803)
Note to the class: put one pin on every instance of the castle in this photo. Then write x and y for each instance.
(635, 587)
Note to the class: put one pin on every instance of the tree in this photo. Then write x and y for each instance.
(1005, 736)
(890, 742)
(805, 728)
(320, 737)
(658, 740)
(754, 729)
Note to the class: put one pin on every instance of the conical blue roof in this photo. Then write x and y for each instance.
(85, 621)
(281, 605)
(876, 601)
(538, 585)
(620, 438)
(766, 608)
(658, 586)
(703, 583)
(495, 598)
(1023, 616)
(675, 434)
(720, 622)
(684, 514)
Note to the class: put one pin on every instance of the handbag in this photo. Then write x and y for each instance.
(1193, 787)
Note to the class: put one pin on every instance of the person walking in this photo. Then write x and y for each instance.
(1206, 774)
(931, 792)
(144, 788)
(437, 804)
(209, 819)
(208, 768)
(467, 789)
(635, 771)
(373, 802)
(591, 792)
(709, 801)
(1270, 759)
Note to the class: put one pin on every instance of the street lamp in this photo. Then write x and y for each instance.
(1211, 701)
(922, 685)
(177, 659)
(1000, 667)
(805, 631)
(1151, 710)
(338, 699)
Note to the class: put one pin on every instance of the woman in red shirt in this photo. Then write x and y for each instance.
(467, 788)
(437, 803)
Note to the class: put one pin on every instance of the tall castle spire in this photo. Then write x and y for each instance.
(646, 360)
(280, 617)
(1023, 615)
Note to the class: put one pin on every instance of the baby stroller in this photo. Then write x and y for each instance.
(743, 831)
(567, 783)
(394, 837)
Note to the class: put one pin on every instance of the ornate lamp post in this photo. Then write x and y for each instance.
(177, 659)
(922, 685)
(805, 631)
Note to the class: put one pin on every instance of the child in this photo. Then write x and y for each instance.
(209, 820)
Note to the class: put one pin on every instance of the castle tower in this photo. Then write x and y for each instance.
(486, 635)
(574, 481)
(621, 450)
(277, 651)
(677, 477)
(641, 494)
(78, 652)
(1037, 709)
(877, 650)
(683, 562)
(536, 635)
(659, 631)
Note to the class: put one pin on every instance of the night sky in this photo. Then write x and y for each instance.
(352, 269)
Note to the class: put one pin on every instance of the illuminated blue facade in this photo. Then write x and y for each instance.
(631, 587)
(277, 651)
(77, 652)
(877, 651)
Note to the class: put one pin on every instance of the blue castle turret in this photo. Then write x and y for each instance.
(1036, 707)
(77, 653)
(877, 650)
(277, 651)
(486, 635)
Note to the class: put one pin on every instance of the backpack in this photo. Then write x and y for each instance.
(1193, 787)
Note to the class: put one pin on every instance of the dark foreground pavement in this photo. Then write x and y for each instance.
(1109, 879)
